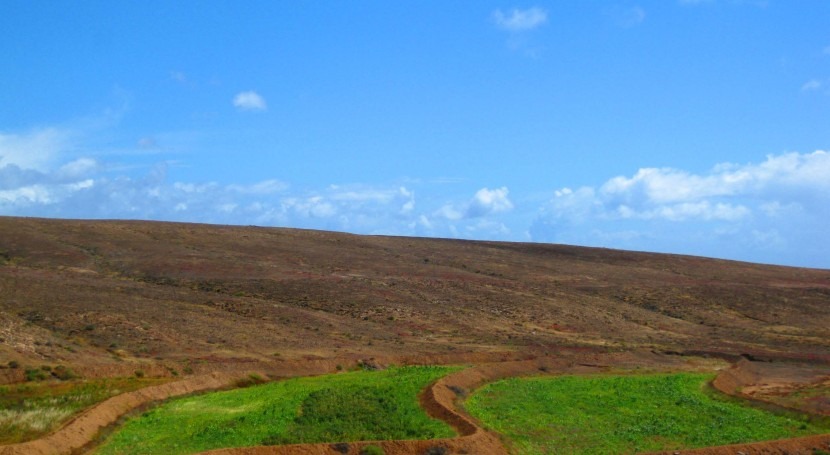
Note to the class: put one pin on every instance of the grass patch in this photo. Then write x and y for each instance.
(28, 411)
(353, 406)
(623, 414)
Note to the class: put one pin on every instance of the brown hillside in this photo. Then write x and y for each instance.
(109, 294)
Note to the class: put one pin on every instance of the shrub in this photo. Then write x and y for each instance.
(252, 379)
(372, 450)
(458, 391)
(13, 364)
(34, 374)
(340, 447)
(63, 373)
(139, 373)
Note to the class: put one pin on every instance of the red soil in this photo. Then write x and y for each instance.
(439, 401)
(81, 430)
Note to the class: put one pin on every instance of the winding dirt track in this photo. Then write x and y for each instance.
(439, 401)
(81, 430)
(731, 381)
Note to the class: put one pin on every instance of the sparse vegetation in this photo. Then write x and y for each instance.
(30, 410)
(354, 406)
(372, 450)
(622, 414)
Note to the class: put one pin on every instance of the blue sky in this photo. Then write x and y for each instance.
(690, 126)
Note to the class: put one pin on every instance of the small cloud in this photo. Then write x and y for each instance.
(249, 101)
(518, 20)
(449, 212)
(78, 168)
(811, 85)
(487, 201)
(271, 186)
(35, 149)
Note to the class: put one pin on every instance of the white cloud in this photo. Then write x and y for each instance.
(701, 210)
(78, 168)
(731, 211)
(487, 201)
(35, 149)
(270, 186)
(249, 101)
(653, 186)
(811, 85)
(449, 212)
(518, 20)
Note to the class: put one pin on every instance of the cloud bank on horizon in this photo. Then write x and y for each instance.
(755, 211)
(623, 126)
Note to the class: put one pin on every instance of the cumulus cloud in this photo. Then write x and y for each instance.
(730, 206)
(249, 101)
(518, 20)
(487, 201)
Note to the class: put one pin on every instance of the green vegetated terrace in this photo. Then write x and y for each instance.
(352, 406)
(624, 414)
(33, 409)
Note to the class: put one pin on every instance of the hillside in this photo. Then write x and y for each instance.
(114, 292)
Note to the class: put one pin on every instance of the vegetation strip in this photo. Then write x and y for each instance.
(354, 406)
(442, 395)
(622, 414)
(83, 428)
(31, 410)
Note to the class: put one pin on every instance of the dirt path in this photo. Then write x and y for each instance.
(731, 381)
(439, 401)
(82, 429)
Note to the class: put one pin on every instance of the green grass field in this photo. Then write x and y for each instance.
(30, 410)
(362, 405)
(622, 415)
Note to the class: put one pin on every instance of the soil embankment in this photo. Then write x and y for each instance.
(745, 375)
(81, 430)
(440, 401)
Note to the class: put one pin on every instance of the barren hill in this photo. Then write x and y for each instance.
(116, 292)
